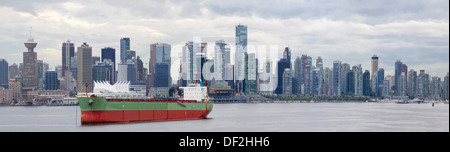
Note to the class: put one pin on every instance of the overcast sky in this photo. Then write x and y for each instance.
(414, 31)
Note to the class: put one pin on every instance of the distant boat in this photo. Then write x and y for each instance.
(372, 100)
(416, 100)
(384, 100)
(403, 102)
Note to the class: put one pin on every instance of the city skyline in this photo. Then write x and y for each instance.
(417, 35)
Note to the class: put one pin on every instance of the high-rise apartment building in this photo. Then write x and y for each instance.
(446, 84)
(337, 69)
(4, 78)
(380, 80)
(287, 82)
(358, 80)
(366, 83)
(398, 72)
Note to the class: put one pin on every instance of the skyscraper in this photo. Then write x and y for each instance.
(4, 78)
(401, 89)
(366, 83)
(374, 68)
(29, 71)
(241, 50)
(219, 60)
(337, 66)
(51, 80)
(84, 68)
(297, 75)
(287, 54)
(68, 52)
(350, 83)
(358, 80)
(124, 47)
(412, 77)
(109, 53)
(344, 71)
(251, 64)
(287, 82)
(380, 80)
(281, 65)
(446, 84)
(435, 88)
(398, 72)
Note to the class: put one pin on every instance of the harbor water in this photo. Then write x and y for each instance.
(251, 117)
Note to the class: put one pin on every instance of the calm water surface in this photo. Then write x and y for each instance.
(260, 117)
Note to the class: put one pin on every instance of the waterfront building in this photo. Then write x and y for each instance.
(327, 82)
(308, 76)
(401, 89)
(350, 83)
(124, 47)
(305, 73)
(358, 80)
(84, 68)
(344, 71)
(16, 87)
(412, 77)
(421, 85)
(319, 66)
(29, 71)
(446, 84)
(316, 82)
(193, 59)
(386, 89)
(366, 83)
(51, 80)
(435, 88)
(297, 75)
(6, 95)
(4, 68)
(337, 69)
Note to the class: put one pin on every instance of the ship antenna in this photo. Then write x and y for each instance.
(86, 88)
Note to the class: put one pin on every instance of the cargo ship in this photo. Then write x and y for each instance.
(116, 104)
